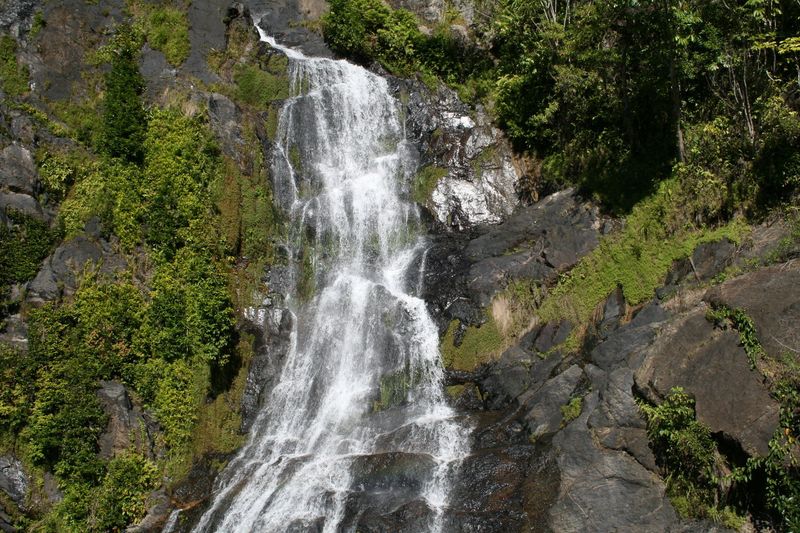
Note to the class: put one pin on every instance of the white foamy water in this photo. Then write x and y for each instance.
(318, 451)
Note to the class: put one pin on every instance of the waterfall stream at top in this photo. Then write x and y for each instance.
(358, 418)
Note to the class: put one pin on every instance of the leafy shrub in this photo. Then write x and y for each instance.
(182, 166)
(13, 77)
(23, 247)
(682, 445)
(122, 497)
(367, 30)
(166, 29)
(124, 118)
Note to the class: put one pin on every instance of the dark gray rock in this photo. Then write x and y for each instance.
(18, 171)
(282, 19)
(771, 297)
(602, 489)
(543, 406)
(206, 33)
(272, 330)
(225, 120)
(709, 364)
(73, 28)
(128, 427)
(536, 242)
(22, 203)
(60, 272)
(14, 480)
(707, 260)
(503, 489)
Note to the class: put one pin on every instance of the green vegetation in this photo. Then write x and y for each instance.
(124, 119)
(166, 29)
(258, 88)
(688, 456)
(394, 388)
(479, 345)
(164, 327)
(24, 247)
(37, 24)
(425, 183)
(571, 410)
(610, 96)
(746, 328)
(13, 77)
(657, 232)
(368, 30)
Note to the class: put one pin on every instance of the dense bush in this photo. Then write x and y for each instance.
(609, 95)
(368, 30)
(13, 77)
(124, 118)
(23, 246)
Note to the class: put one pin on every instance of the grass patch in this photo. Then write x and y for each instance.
(479, 345)
(13, 76)
(636, 259)
(571, 410)
(258, 88)
(425, 183)
(166, 29)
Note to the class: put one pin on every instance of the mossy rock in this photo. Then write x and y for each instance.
(479, 345)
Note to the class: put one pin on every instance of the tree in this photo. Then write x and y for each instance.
(124, 118)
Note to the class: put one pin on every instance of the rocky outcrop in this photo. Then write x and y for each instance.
(771, 298)
(479, 172)
(128, 426)
(282, 19)
(61, 271)
(464, 272)
(709, 364)
(14, 480)
(272, 329)
(582, 457)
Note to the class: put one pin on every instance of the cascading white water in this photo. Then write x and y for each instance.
(361, 386)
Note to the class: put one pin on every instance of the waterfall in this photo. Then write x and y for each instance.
(358, 419)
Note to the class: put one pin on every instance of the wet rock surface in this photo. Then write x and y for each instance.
(479, 174)
(271, 328)
(464, 271)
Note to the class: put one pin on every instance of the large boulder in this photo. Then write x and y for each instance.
(535, 243)
(479, 174)
(14, 480)
(771, 298)
(709, 364)
(18, 171)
